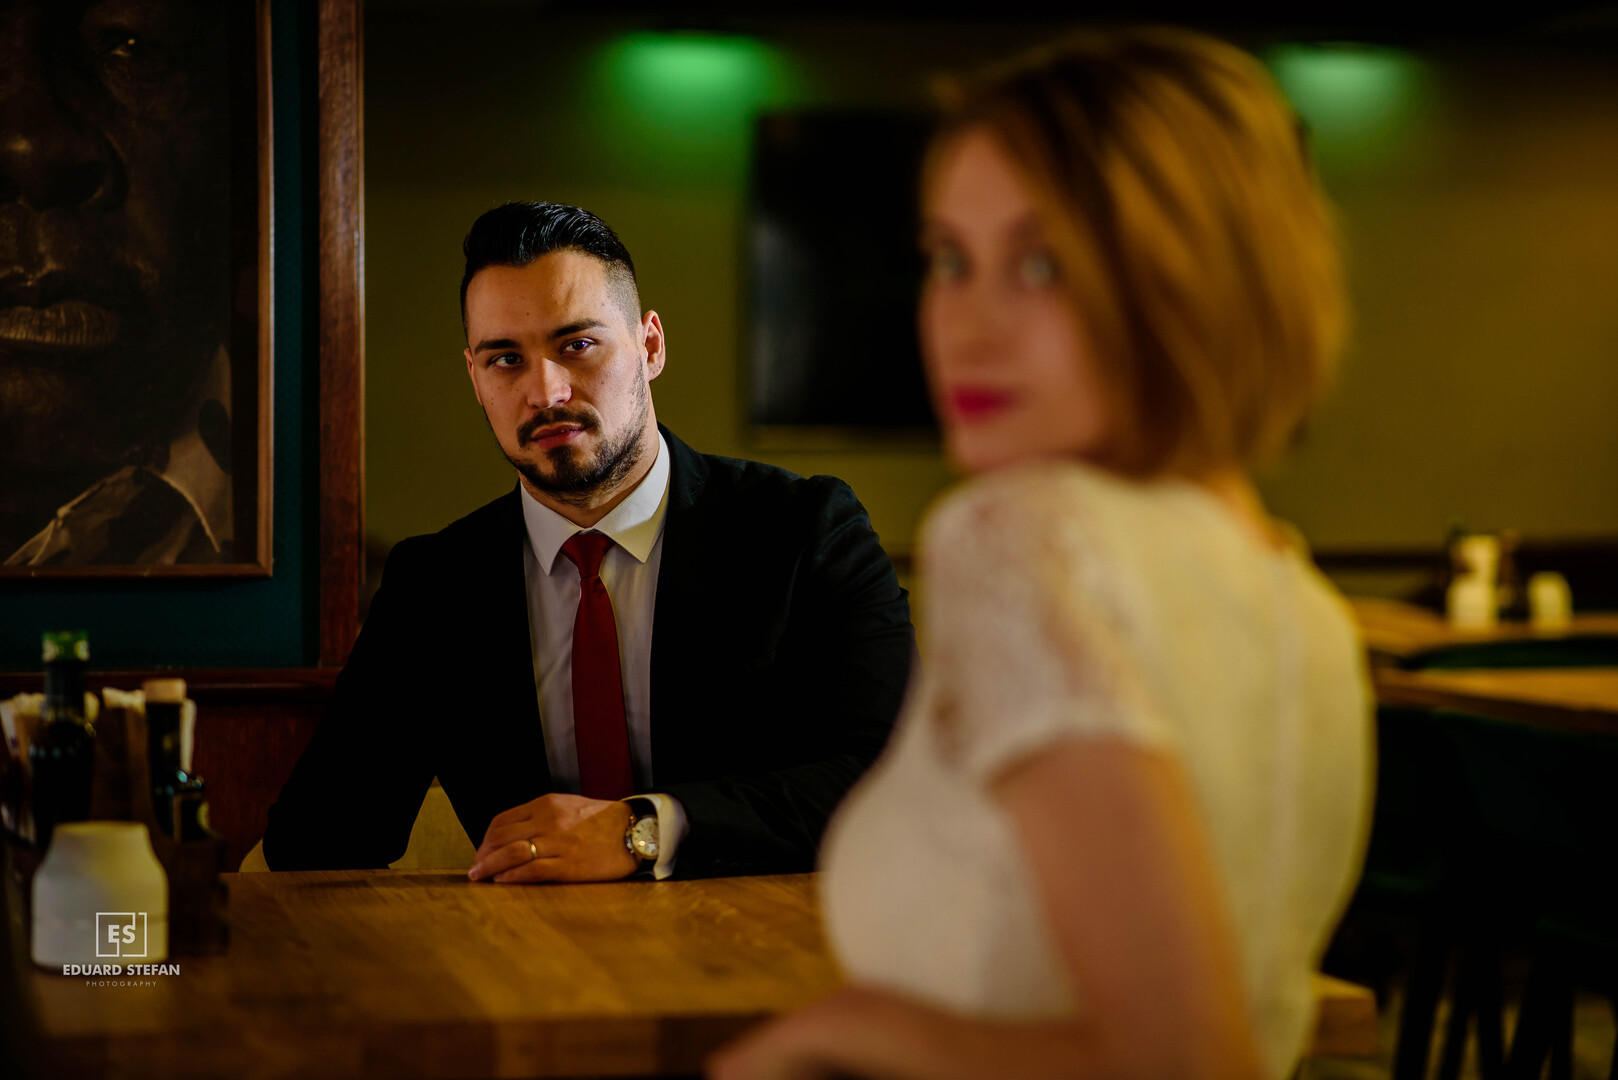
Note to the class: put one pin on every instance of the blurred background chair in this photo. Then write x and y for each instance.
(1575, 947)
(1546, 850)
(1406, 914)
(1489, 838)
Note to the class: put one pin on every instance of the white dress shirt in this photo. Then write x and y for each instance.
(629, 571)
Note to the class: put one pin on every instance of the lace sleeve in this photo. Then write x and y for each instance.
(1031, 624)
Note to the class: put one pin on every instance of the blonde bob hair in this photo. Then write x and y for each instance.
(1174, 188)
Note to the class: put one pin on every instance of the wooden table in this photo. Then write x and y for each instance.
(1573, 699)
(1582, 700)
(424, 974)
(1394, 630)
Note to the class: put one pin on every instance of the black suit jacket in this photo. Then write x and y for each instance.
(781, 644)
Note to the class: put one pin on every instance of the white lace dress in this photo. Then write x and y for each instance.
(1062, 601)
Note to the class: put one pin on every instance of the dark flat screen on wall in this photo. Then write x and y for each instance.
(834, 273)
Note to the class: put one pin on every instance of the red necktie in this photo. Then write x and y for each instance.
(599, 732)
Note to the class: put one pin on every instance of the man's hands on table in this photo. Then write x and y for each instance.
(573, 839)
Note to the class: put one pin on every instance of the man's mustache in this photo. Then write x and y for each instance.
(551, 417)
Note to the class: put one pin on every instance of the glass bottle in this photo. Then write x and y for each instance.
(179, 797)
(61, 758)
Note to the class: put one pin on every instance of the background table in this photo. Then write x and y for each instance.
(1399, 636)
(1395, 631)
(1581, 700)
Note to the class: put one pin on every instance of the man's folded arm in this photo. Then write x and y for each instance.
(856, 643)
(354, 795)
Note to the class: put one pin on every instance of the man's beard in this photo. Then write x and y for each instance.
(576, 479)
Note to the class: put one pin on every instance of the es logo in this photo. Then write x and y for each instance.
(121, 934)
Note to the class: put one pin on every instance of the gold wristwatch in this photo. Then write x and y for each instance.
(641, 836)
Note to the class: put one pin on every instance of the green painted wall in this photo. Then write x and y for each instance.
(1475, 192)
(1476, 201)
(1482, 379)
(650, 133)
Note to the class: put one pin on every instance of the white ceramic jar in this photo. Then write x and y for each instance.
(100, 897)
(1472, 603)
(1550, 601)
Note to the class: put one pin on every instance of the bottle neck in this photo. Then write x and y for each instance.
(64, 691)
(163, 738)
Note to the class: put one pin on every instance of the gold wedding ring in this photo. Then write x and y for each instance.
(533, 852)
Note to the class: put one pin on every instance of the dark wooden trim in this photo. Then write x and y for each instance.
(1576, 552)
(1411, 558)
(266, 291)
(208, 687)
(172, 571)
(342, 327)
(1581, 554)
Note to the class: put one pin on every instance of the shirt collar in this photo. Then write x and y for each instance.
(190, 470)
(634, 524)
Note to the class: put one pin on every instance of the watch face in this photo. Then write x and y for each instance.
(644, 837)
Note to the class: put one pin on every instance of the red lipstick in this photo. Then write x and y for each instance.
(973, 403)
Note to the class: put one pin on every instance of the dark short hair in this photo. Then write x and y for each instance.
(519, 232)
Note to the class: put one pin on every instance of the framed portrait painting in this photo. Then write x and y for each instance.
(135, 302)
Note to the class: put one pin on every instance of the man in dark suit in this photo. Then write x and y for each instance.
(643, 659)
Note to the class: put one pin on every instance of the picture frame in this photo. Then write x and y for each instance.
(138, 355)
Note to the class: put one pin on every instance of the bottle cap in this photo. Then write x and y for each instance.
(1478, 556)
(164, 691)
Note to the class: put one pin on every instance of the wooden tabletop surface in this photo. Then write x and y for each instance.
(1581, 700)
(424, 974)
(1397, 630)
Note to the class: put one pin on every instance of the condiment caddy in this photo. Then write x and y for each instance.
(71, 757)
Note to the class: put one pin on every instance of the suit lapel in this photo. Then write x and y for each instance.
(680, 579)
(506, 642)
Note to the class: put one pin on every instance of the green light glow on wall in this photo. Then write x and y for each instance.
(680, 106)
(1354, 99)
(700, 80)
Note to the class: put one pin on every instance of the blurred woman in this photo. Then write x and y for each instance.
(1128, 795)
